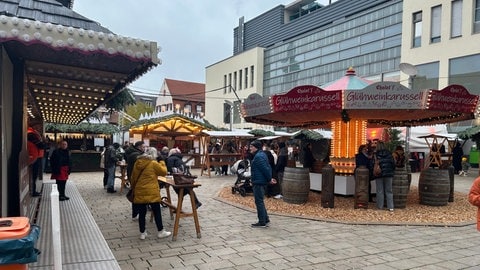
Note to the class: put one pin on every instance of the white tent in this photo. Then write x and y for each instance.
(417, 144)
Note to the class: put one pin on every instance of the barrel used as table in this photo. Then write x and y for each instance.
(434, 187)
(296, 185)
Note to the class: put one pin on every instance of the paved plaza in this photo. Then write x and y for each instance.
(228, 242)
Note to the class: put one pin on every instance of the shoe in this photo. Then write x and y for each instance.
(143, 235)
(62, 199)
(391, 209)
(278, 196)
(163, 234)
(66, 198)
(198, 205)
(259, 225)
(36, 194)
(111, 191)
(135, 218)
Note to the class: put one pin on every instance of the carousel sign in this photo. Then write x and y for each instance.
(307, 98)
(384, 95)
(452, 98)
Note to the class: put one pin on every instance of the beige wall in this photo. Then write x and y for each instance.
(214, 85)
(448, 47)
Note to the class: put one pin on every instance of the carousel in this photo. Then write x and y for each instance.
(351, 105)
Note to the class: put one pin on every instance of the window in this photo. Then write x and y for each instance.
(252, 73)
(427, 76)
(240, 79)
(435, 27)
(456, 20)
(246, 77)
(229, 82)
(187, 108)
(476, 24)
(234, 80)
(225, 84)
(236, 113)
(199, 108)
(417, 29)
(465, 71)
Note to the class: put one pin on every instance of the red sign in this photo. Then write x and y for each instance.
(307, 98)
(453, 98)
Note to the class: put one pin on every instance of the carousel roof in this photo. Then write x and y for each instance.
(348, 82)
(72, 65)
(380, 104)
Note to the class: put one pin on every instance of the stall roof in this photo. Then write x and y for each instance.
(234, 133)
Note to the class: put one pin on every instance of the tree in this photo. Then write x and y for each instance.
(136, 110)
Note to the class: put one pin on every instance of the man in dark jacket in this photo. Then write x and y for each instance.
(383, 183)
(111, 158)
(261, 176)
(131, 154)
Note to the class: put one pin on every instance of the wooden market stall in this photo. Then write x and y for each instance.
(239, 138)
(173, 130)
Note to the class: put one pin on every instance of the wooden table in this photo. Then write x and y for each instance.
(122, 176)
(435, 155)
(220, 159)
(177, 210)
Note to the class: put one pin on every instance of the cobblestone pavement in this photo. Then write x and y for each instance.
(228, 241)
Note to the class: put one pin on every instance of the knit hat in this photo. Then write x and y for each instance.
(257, 144)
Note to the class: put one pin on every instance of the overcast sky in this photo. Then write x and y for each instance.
(192, 34)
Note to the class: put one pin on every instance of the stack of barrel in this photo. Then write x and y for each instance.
(434, 187)
(401, 187)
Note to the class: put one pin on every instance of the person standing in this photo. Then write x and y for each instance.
(175, 164)
(35, 147)
(474, 198)
(308, 158)
(146, 190)
(131, 155)
(280, 167)
(384, 181)
(261, 174)
(111, 158)
(457, 154)
(61, 167)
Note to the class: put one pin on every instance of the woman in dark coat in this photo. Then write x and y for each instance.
(457, 154)
(384, 181)
(61, 167)
(308, 158)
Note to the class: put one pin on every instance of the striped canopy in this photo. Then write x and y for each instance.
(348, 82)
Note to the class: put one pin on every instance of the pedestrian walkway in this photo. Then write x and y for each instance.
(228, 241)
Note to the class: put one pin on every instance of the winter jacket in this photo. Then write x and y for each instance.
(174, 161)
(282, 160)
(387, 164)
(60, 158)
(131, 154)
(474, 198)
(260, 169)
(144, 180)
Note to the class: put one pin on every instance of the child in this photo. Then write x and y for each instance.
(465, 167)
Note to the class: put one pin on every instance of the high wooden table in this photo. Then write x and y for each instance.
(122, 176)
(177, 210)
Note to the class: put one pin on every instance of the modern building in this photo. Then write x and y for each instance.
(440, 38)
(305, 43)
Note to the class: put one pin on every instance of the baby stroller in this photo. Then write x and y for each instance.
(243, 185)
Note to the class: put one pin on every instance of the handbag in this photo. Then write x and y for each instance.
(183, 179)
(130, 195)
(377, 170)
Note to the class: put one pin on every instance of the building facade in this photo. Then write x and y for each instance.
(313, 47)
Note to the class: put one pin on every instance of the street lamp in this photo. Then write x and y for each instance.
(411, 71)
(231, 113)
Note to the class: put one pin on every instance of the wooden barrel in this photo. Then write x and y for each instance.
(291, 163)
(400, 187)
(296, 185)
(317, 166)
(434, 187)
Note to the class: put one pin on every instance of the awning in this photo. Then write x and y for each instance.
(269, 138)
(72, 71)
(234, 133)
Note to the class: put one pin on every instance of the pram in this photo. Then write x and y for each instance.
(243, 185)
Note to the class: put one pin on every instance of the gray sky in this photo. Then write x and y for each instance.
(192, 34)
